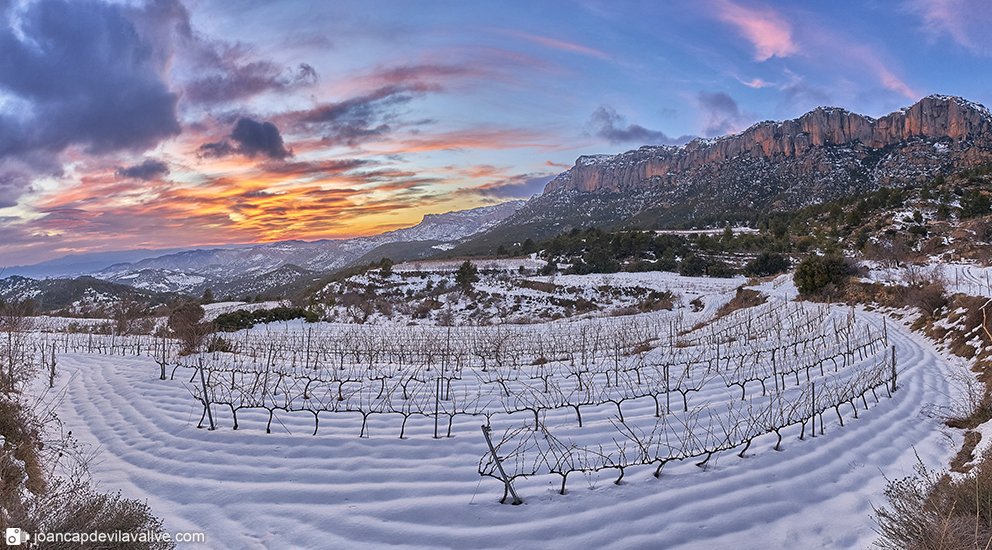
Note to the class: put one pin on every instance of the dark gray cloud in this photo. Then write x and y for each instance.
(89, 76)
(518, 187)
(722, 114)
(253, 139)
(83, 74)
(607, 124)
(363, 118)
(229, 73)
(13, 183)
(147, 170)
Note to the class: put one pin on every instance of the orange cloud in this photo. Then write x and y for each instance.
(475, 138)
(770, 33)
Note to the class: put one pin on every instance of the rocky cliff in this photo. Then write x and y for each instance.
(938, 133)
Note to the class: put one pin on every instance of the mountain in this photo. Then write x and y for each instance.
(259, 269)
(79, 294)
(820, 156)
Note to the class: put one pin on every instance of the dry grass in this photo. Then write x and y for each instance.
(960, 463)
(744, 298)
(933, 511)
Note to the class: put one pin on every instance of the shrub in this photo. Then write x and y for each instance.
(242, 319)
(932, 510)
(816, 272)
(692, 266)
(767, 263)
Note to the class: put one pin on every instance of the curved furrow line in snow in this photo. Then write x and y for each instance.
(248, 489)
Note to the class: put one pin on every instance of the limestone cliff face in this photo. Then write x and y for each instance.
(936, 134)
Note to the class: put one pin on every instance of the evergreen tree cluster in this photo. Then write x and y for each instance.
(242, 318)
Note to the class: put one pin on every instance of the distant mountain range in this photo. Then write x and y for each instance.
(248, 270)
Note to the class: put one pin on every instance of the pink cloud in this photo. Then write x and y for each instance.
(755, 83)
(557, 44)
(770, 33)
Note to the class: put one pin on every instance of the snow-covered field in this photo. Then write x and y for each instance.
(291, 489)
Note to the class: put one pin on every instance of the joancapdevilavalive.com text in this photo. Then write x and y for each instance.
(16, 537)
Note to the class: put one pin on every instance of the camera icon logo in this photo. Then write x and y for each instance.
(13, 536)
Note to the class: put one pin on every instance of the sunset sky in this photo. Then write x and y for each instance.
(163, 124)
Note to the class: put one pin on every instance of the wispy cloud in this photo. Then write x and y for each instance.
(556, 44)
(967, 22)
(766, 29)
(470, 138)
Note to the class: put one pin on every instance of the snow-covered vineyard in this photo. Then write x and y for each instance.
(770, 427)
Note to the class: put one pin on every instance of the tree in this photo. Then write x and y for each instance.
(466, 275)
(208, 297)
(816, 272)
(125, 312)
(692, 266)
(767, 263)
(975, 204)
(385, 268)
(15, 349)
(186, 322)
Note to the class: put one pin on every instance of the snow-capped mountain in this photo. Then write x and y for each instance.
(228, 270)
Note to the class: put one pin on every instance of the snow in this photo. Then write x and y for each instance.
(970, 279)
(289, 489)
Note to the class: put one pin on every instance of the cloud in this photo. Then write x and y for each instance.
(253, 139)
(147, 170)
(967, 22)
(521, 186)
(359, 119)
(229, 72)
(417, 75)
(770, 33)
(557, 44)
(754, 83)
(606, 123)
(89, 76)
(82, 74)
(13, 183)
(722, 114)
(801, 97)
(258, 138)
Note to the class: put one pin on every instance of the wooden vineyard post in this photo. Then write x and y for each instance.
(774, 371)
(813, 419)
(206, 400)
(499, 465)
(893, 368)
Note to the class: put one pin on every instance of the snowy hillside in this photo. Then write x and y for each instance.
(294, 488)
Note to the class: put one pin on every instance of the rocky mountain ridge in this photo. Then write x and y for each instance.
(818, 157)
(956, 123)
